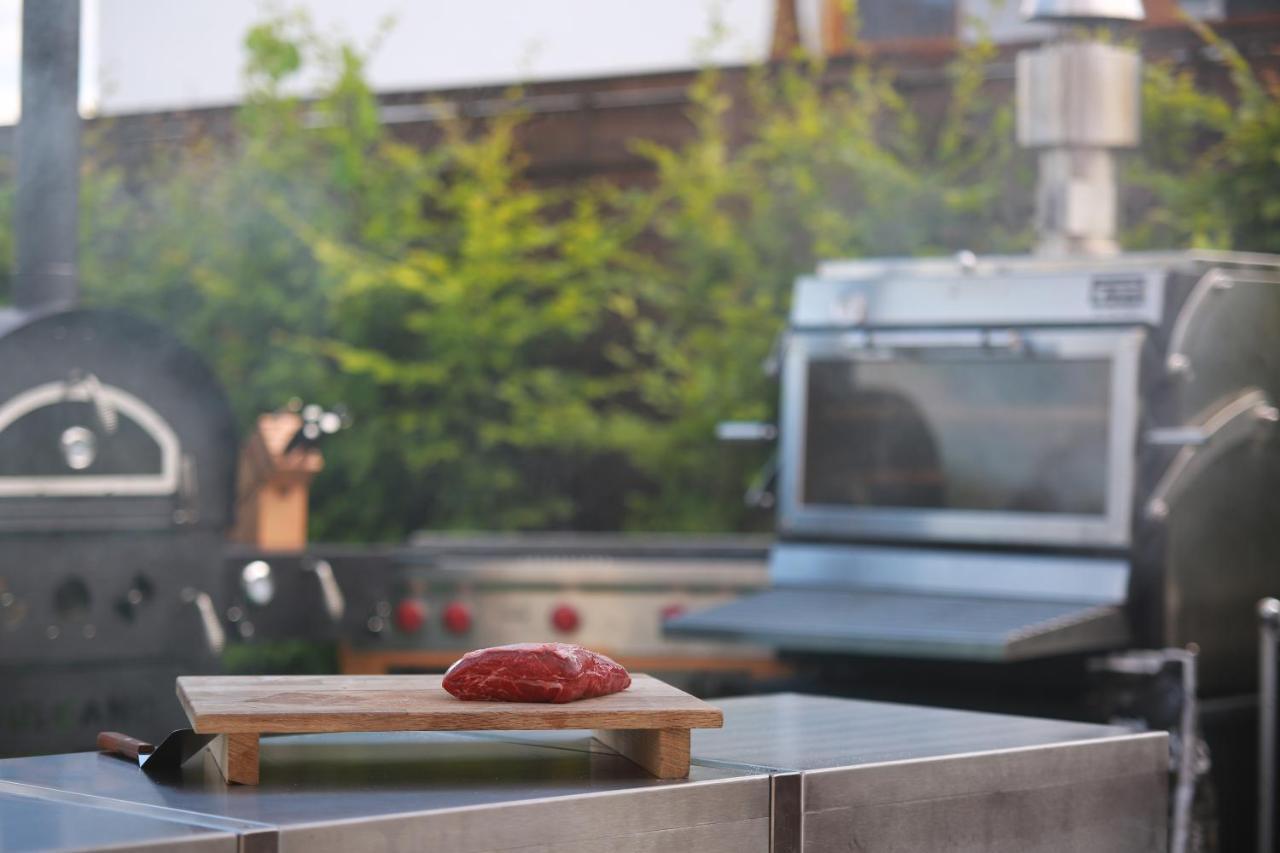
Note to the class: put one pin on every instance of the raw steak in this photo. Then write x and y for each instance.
(534, 672)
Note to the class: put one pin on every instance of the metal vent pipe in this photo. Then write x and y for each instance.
(46, 209)
(1077, 103)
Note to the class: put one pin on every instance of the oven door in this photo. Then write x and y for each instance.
(964, 436)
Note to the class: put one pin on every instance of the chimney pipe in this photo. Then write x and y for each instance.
(46, 211)
(1078, 102)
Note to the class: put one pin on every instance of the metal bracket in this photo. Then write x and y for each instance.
(761, 492)
(1149, 663)
(105, 410)
(786, 812)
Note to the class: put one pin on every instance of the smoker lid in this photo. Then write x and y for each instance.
(908, 624)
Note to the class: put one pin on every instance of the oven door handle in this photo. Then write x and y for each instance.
(335, 604)
(746, 432)
(1230, 424)
(883, 345)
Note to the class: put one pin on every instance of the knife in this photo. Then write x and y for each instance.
(173, 751)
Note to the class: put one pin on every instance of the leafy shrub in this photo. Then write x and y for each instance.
(518, 357)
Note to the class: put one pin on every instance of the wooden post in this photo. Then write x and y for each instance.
(663, 752)
(274, 485)
(786, 29)
(237, 757)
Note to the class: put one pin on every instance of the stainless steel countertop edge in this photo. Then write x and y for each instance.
(190, 818)
(579, 797)
(1135, 736)
(1137, 740)
(574, 821)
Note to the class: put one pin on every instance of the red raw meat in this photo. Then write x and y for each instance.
(535, 672)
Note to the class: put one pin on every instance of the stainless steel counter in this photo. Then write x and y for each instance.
(876, 776)
(29, 822)
(838, 772)
(444, 791)
(788, 731)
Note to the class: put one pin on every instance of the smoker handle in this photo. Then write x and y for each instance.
(746, 431)
(334, 602)
(1214, 281)
(1229, 425)
(1268, 634)
(124, 745)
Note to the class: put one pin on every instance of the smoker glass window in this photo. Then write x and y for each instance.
(967, 432)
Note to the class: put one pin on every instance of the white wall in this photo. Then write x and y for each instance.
(152, 55)
(160, 54)
(11, 57)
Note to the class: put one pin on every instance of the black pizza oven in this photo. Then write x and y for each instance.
(117, 463)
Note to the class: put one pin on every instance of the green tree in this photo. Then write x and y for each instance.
(1209, 166)
(517, 357)
(829, 168)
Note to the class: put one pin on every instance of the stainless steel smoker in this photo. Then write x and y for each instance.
(1005, 458)
(992, 470)
(1011, 458)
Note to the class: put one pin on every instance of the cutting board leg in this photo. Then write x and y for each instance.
(237, 757)
(663, 752)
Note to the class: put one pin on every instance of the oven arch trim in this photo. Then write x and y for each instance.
(91, 485)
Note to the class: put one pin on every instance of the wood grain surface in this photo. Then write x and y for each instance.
(237, 757)
(378, 703)
(380, 662)
(663, 752)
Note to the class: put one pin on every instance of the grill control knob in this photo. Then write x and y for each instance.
(457, 618)
(257, 583)
(565, 618)
(671, 611)
(411, 615)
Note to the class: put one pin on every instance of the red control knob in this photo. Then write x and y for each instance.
(457, 618)
(671, 611)
(411, 615)
(565, 618)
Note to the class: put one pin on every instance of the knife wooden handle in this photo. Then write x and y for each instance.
(121, 744)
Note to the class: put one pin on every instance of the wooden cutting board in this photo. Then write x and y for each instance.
(649, 722)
